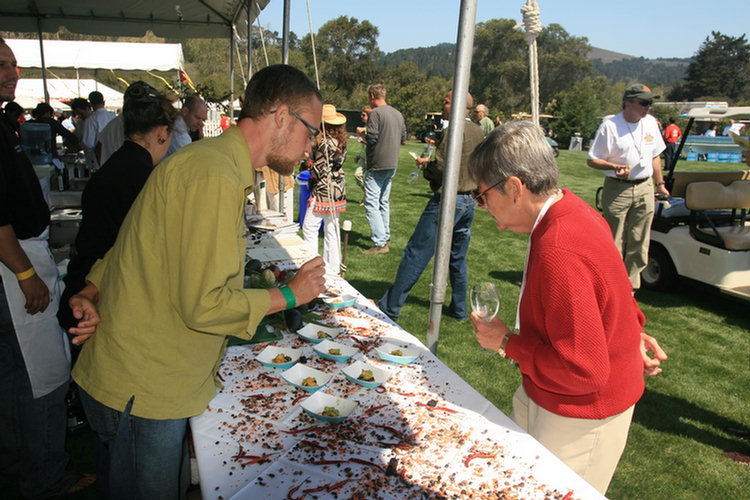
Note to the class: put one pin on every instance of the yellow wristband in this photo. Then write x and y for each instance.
(26, 274)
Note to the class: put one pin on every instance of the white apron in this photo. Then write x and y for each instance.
(43, 342)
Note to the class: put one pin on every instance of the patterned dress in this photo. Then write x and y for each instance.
(327, 183)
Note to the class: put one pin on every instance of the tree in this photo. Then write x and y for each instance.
(562, 61)
(500, 66)
(721, 68)
(577, 111)
(346, 51)
(414, 94)
(499, 70)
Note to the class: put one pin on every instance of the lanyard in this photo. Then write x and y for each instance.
(539, 217)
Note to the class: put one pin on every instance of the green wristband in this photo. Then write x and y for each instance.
(291, 301)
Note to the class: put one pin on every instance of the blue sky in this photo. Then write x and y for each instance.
(649, 29)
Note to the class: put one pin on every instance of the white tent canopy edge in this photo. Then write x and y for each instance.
(99, 55)
(30, 92)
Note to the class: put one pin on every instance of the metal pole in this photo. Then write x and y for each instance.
(249, 41)
(285, 35)
(284, 60)
(41, 55)
(464, 48)
(231, 66)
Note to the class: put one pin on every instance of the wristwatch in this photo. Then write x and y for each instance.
(503, 345)
(660, 183)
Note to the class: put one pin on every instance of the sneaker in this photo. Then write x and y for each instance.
(376, 250)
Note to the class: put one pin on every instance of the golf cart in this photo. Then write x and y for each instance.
(702, 232)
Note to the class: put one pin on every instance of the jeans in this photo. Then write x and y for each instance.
(377, 204)
(138, 458)
(32, 431)
(421, 248)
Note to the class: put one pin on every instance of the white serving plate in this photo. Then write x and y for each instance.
(407, 355)
(299, 372)
(316, 404)
(266, 356)
(310, 331)
(354, 370)
(345, 300)
(346, 351)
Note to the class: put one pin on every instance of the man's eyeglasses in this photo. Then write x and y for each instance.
(480, 197)
(314, 131)
(643, 103)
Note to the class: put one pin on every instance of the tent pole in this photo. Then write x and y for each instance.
(285, 35)
(284, 60)
(249, 38)
(41, 54)
(464, 47)
(231, 64)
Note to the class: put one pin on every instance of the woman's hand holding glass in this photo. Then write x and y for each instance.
(485, 303)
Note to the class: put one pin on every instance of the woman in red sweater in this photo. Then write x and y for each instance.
(579, 340)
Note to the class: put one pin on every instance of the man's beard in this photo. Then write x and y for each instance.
(277, 161)
(7, 95)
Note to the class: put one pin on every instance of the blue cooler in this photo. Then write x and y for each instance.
(304, 194)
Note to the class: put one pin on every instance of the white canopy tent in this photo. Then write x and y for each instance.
(30, 92)
(165, 18)
(99, 55)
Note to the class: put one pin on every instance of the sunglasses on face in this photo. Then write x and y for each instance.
(314, 131)
(643, 103)
(480, 198)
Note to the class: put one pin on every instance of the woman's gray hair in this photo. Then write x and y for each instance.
(517, 149)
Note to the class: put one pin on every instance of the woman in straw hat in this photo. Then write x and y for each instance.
(327, 187)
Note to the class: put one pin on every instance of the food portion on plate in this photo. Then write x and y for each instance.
(316, 333)
(327, 407)
(340, 301)
(366, 375)
(305, 377)
(397, 354)
(278, 357)
(332, 350)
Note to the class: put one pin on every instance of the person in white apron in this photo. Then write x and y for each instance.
(34, 352)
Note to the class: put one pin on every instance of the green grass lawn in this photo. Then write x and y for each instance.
(679, 431)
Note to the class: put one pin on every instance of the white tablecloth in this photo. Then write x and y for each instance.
(255, 413)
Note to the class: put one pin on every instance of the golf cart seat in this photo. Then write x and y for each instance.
(705, 198)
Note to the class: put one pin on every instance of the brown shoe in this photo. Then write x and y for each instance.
(376, 250)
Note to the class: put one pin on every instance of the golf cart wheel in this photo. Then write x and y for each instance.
(556, 152)
(660, 273)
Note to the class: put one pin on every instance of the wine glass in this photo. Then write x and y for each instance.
(485, 301)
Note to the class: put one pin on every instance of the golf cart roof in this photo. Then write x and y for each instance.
(736, 112)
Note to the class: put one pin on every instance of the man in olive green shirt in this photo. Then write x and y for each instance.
(171, 288)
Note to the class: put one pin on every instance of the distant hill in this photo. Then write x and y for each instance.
(439, 60)
(606, 56)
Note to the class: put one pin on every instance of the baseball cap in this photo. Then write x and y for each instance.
(639, 91)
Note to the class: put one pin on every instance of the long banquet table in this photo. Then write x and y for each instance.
(425, 434)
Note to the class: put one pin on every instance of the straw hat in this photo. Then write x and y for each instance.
(331, 117)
